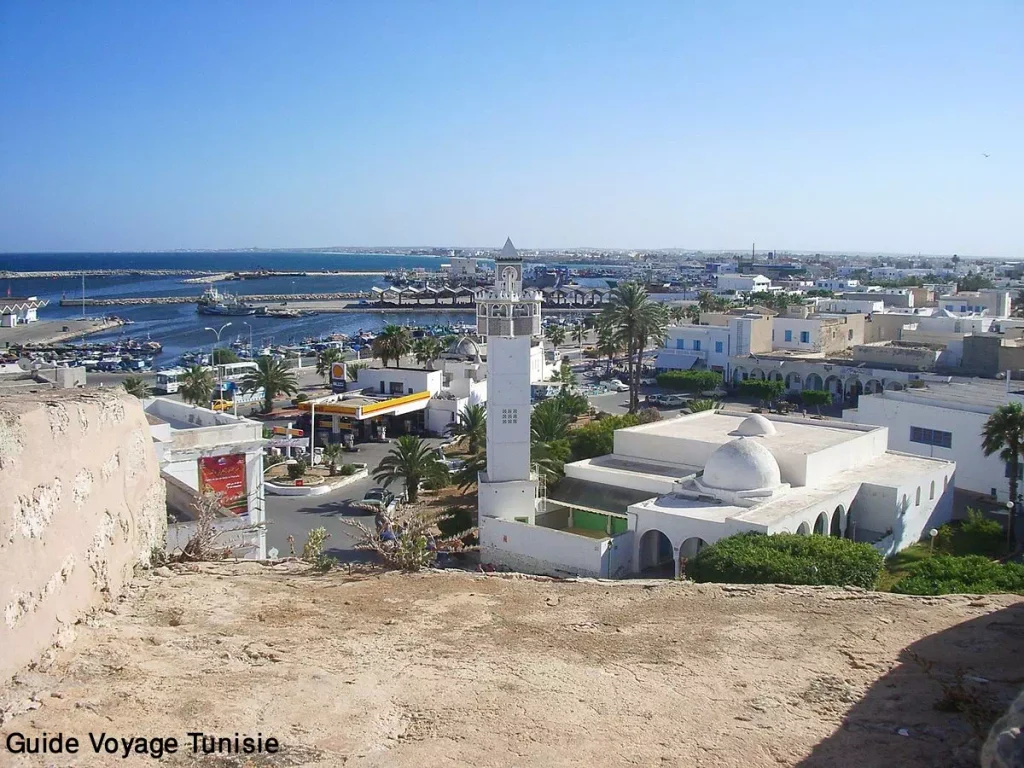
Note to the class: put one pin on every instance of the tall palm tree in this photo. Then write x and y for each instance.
(325, 360)
(196, 385)
(1004, 434)
(136, 385)
(392, 342)
(555, 334)
(427, 350)
(352, 370)
(274, 377)
(412, 461)
(677, 313)
(693, 313)
(638, 322)
(579, 333)
(607, 343)
(471, 425)
(565, 376)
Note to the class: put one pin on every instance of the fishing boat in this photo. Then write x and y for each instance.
(214, 302)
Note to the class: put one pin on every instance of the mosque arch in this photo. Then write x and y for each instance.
(739, 373)
(757, 373)
(821, 525)
(838, 528)
(794, 382)
(813, 381)
(893, 386)
(854, 388)
(804, 529)
(656, 557)
(775, 376)
(834, 384)
(872, 386)
(689, 550)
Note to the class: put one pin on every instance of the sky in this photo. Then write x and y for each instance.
(813, 126)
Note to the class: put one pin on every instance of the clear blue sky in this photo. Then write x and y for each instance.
(822, 125)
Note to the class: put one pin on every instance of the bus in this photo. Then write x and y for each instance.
(169, 381)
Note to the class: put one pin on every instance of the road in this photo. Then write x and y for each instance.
(297, 515)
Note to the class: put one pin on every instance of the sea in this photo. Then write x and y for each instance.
(180, 328)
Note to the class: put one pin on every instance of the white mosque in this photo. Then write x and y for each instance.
(673, 486)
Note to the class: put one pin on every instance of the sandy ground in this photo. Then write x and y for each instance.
(462, 669)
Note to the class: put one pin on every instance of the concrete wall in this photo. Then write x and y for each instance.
(411, 379)
(885, 327)
(532, 549)
(916, 358)
(82, 504)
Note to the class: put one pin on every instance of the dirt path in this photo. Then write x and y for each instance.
(454, 669)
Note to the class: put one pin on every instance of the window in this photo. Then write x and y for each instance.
(934, 437)
(849, 335)
(680, 343)
(696, 345)
(718, 346)
(931, 491)
(949, 307)
(805, 337)
(509, 416)
(917, 498)
(396, 387)
(789, 335)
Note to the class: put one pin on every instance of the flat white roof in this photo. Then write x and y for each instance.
(793, 434)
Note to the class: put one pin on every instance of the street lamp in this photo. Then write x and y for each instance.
(217, 331)
(1009, 524)
(251, 355)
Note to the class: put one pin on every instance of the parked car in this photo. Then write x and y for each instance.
(648, 381)
(673, 401)
(380, 498)
(221, 405)
(618, 386)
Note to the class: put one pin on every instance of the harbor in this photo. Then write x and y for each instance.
(56, 331)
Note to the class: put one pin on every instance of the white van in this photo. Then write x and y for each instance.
(617, 386)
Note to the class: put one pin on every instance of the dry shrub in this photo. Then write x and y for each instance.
(416, 529)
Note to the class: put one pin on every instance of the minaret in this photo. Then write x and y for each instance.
(509, 319)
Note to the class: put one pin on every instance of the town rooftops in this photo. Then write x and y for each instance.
(980, 395)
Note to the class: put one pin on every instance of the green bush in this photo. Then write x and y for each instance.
(297, 470)
(690, 381)
(597, 438)
(346, 470)
(973, 574)
(763, 389)
(816, 397)
(752, 558)
(977, 535)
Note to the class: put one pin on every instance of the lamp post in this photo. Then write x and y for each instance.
(217, 331)
(1009, 526)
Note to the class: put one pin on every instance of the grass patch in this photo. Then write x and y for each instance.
(901, 564)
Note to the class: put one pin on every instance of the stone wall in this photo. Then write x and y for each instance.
(82, 503)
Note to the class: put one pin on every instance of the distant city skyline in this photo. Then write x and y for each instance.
(870, 127)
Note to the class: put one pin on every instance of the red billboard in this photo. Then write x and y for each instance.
(225, 476)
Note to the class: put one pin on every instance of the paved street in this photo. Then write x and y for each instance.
(297, 515)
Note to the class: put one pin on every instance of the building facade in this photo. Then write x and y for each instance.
(743, 283)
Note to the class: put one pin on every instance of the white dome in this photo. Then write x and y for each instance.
(755, 424)
(741, 465)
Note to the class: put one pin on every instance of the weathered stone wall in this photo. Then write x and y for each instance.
(81, 503)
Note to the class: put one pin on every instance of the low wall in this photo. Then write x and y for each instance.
(82, 505)
(533, 549)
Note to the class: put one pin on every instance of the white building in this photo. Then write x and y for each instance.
(836, 284)
(743, 283)
(712, 346)
(673, 486)
(944, 420)
(990, 302)
(849, 306)
(508, 317)
(17, 311)
(462, 266)
(202, 450)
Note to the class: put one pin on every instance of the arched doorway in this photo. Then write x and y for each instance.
(775, 376)
(757, 373)
(854, 389)
(872, 387)
(838, 528)
(813, 381)
(793, 382)
(804, 529)
(688, 551)
(656, 559)
(834, 385)
(894, 386)
(821, 525)
(739, 373)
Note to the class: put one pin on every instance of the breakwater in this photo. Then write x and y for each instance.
(195, 275)
(280, 298)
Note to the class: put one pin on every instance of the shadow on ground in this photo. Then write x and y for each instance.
(935, 707)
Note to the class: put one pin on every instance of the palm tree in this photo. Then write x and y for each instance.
(693, 313)
(471, 425)
(555, 334)
(705, 301)
(1004, 434)
(548, 422)
(638, 321)
(325, 361)
(136, 385)
(607, 344)
(333, 456)
(426, 350)
(565, 376)
(352, 370)
(393, 342)
(273, 377)
(196, 385)
(677, 313)
(412, 461)
(579, 333)
(703, 404)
